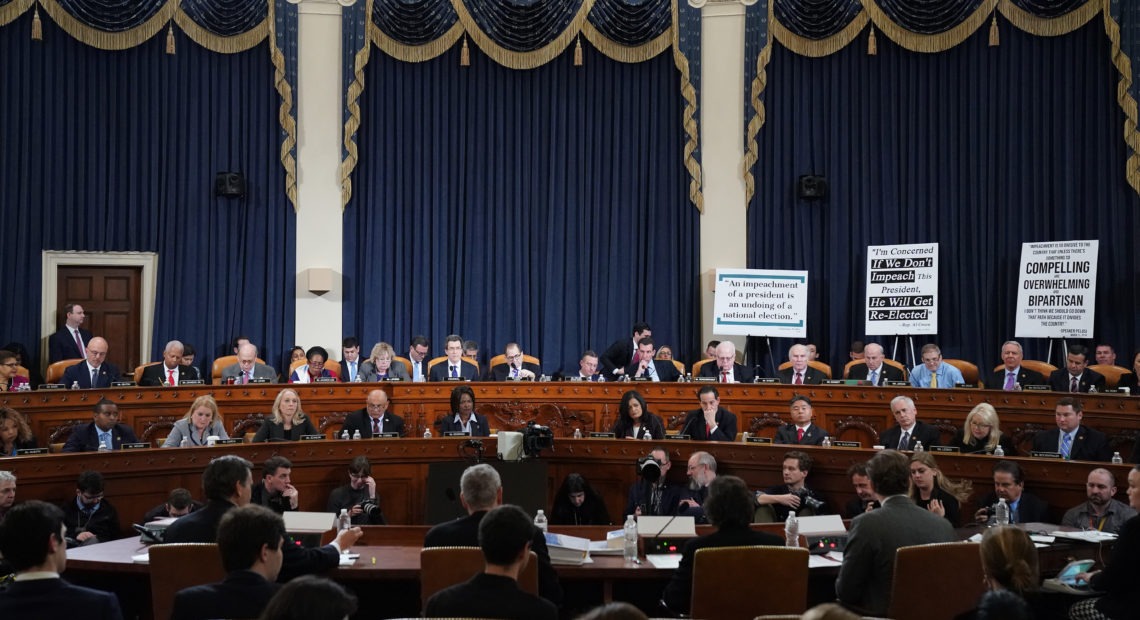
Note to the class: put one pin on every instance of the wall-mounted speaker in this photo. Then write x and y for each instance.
(229, 184)
(811, 187)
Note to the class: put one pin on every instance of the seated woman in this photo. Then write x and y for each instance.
(1129, 380)
(315, 369)
(1120, 576)
(981, 433)
(15, 434)
(935, 492)
(288, 421)
(665, 352)
(634, 419)
(577, 503)
(1010, 569)
(9, 380)
(200, 422)
(464, 417)
(380, 366)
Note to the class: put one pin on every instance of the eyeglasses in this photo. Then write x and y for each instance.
(11, 365)
(91, 498)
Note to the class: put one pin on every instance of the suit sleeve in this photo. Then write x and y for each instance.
(678, 594)
(930, 436)
(726, 430)
(857, 565)
(148, 379)
(75, 440)
(262, 434)
(174, 439)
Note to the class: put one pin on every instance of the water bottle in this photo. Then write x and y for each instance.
(688, 377)
(792, 530)
(601, 378)
(1116, 458)
(75, 385)
(358, 379)
(185, 443)
(630, 527)
(427, 433)
(1092, 389)
(918, 446)
(1001, 512)
(540, 520)
(103, 447)
(826, 441)
(356, 434)
(998, 451)
(577, 433)
(344, 434)
(648, 436)
(343, 522)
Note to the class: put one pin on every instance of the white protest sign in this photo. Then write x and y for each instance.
(902, 289)
(1056, 289)
(760, 302)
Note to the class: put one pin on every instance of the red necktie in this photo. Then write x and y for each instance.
(799, 379)
(799, 434)
(170, 376)
(724, 377)
(708, 431)
(79, 343)
(375, 426)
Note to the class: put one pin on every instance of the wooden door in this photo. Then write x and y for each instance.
(111, 298)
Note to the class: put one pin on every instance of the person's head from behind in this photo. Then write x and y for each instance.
(228, 478)
(890, 473)
(1002, 605)
(480, 488)
(179, 503)
(614, 611)
(505, 534)
(250, 538)
(730, 503)
(1009, 559)
(32, 537)
(310, 598)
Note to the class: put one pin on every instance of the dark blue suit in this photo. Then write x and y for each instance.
(85, 438)
(61, 345)
(242, 594)
(479, 426)
(80, 374)
(55, 599)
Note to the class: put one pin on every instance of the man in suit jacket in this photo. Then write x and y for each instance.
(799, 372)
(454, 366)
(621, 353)
(800, 430)
(649, 369)
(249, 540)
(374, 418)
(1011, 374)
(654, 498)
(481, 489)
(70, 341)
(908, 427)
(104, 429)
(95, 367)
(875, 370)
(515, 369)
(349, 359)
(32, 541)
(864, 581)
(1009, 484)
(1072, 439)
(1076, 373)
(247, 368)
(171, 372)
(587, 368)
(710, 422)
(701, 470)
(726, 370)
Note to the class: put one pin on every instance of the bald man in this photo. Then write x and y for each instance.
(95, 371)
(875, 370)
(725, 369)
(374, 418)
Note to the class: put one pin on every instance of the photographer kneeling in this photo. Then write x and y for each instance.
(775, 502)
(359, 495)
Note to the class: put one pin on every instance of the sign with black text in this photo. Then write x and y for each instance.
(902, 289)
(760, 302)
(1056, 289)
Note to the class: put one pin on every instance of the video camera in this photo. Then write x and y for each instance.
(649, 469)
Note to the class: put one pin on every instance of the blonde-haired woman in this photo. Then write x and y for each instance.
(935, 492)
(200, 422)
(381, 365)
(287, 422)
(981, 433)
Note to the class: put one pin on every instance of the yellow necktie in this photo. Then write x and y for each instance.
(933, 380)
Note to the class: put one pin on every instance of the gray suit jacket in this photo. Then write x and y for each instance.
(869, 561)
(260, 371)
(396, 370)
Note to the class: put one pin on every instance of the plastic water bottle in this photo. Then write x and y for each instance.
(344, 435)
(103, 447)
(356, 434)
(998, 451)
(75, 385)
(358, 379)
(918, 446)
(648, 436)
(427, 433)
(826, 441)
(185, 442)
(577, 433)
(343, 522)
(1001, 513)
(1116, 458)
(688, 377)
(540, 520)
(792, 530)
(630, 549)
(1092, 389)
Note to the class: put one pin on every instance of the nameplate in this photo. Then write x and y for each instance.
(229, 441)
(139, 445)
(1040, 454)
(759, 440)
(393, 379)
(260, 380)
(901, 384)
(192, 382)
(325, 380)
(456, 433)
(964, 385)
(678, 436)
(455, 379)
(1113, 391)
(767, 380)
(944, 449)
(575, 379)
(1036, 388)
(52, 386)
(641, 379)
(312, 437)
(835, 443)
(30, 451)
(123, 384)
(834, 382)
(603, 435)
(389, 435)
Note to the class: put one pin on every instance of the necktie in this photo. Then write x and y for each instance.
(799, 434)
(94, 377)
(514, 372)
(799, 378)
(1074, 385)
(170, 376)
(105, 438)
(708, 430)
(904, 443)
(79, 343)
(352, 371)
(454, 371)
(1009, 380)
(934, 379)
(1066, 445)
(375, 426)
(651, 370)
(724, 377)
(245, 377)
(874, 377)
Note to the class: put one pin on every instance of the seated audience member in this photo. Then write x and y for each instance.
(577, 503)
(1012, 376)
(67, 343)
(249, 540)
(276, 490)
(650, 369)
(729, 508)
(179, 504)
(505, 536)
(981, 433)
(1072, 439)
(726, 370)
(624, 352)
(189, 354)
(776, 502)
(587, 368)
(813, 351)
(800, 373)
(417, 355)
(665, 352)
(349, 359)
(875, 369)
(287, 421)
(296, 353)
(201, 421)
(481, 489)
(374, 419)
(614, 611)
(9, 380)
(1009, 560)
(15, 434)
(933, 372)
(800, 430)
(1128, 379)
(701, 471)
(932, 490)
(314, 368)
(1101, 511)
(1009, 484)
(454, 367)
(1105, 354)
(471, 350)
(710, 422)
(172, 371)
(104, 430)
(464, 419)
(310, 598)
(22, 354)
(1120, 575)
(1076, 376)
(710, 349)
(90, 518)
(7, 494)
(95, 372)
(652, 494)
(908, 429)
(515, 369)
(247, 368)
(865, 500)
(1003, 605)
(358, 497)
(381, 365)
(635, 421)
(32, 541)
(867, 572)
(857, 350)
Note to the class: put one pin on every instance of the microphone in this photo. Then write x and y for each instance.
(688, 422)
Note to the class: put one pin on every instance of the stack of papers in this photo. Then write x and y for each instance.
(1085, 535)
(568, 550)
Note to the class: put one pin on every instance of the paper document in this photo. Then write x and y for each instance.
(664, 560)
(1085, 535)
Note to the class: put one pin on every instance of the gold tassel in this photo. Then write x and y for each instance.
(994, 39)
(872, 44)
(578, 52)
(37, 26)
(170, 39)
(464, 54)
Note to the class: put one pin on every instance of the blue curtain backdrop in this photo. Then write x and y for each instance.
(978, 148)
(117, 151)
(547, 206)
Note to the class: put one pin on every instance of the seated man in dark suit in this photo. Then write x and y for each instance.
(729, 508)
(32, 541)
(104, 430)
(800, 373)
(1009, 484)
(1076, 376)
(909, 430)
(69, 342)
(90, 518)
(95, 372)
(800, 430)
(710, 422)
(587, 368)
(652, 494)
(247, 367)
(623, 352)
(249, 540)
(875, 369)
(1011, 375)
(726, 370)
(454, 367)
(505, 535)
(649, 369)
(171, 371)
(515, 369)
(1072, 439)
(374, 418)
(481, 489)
(276, 491)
